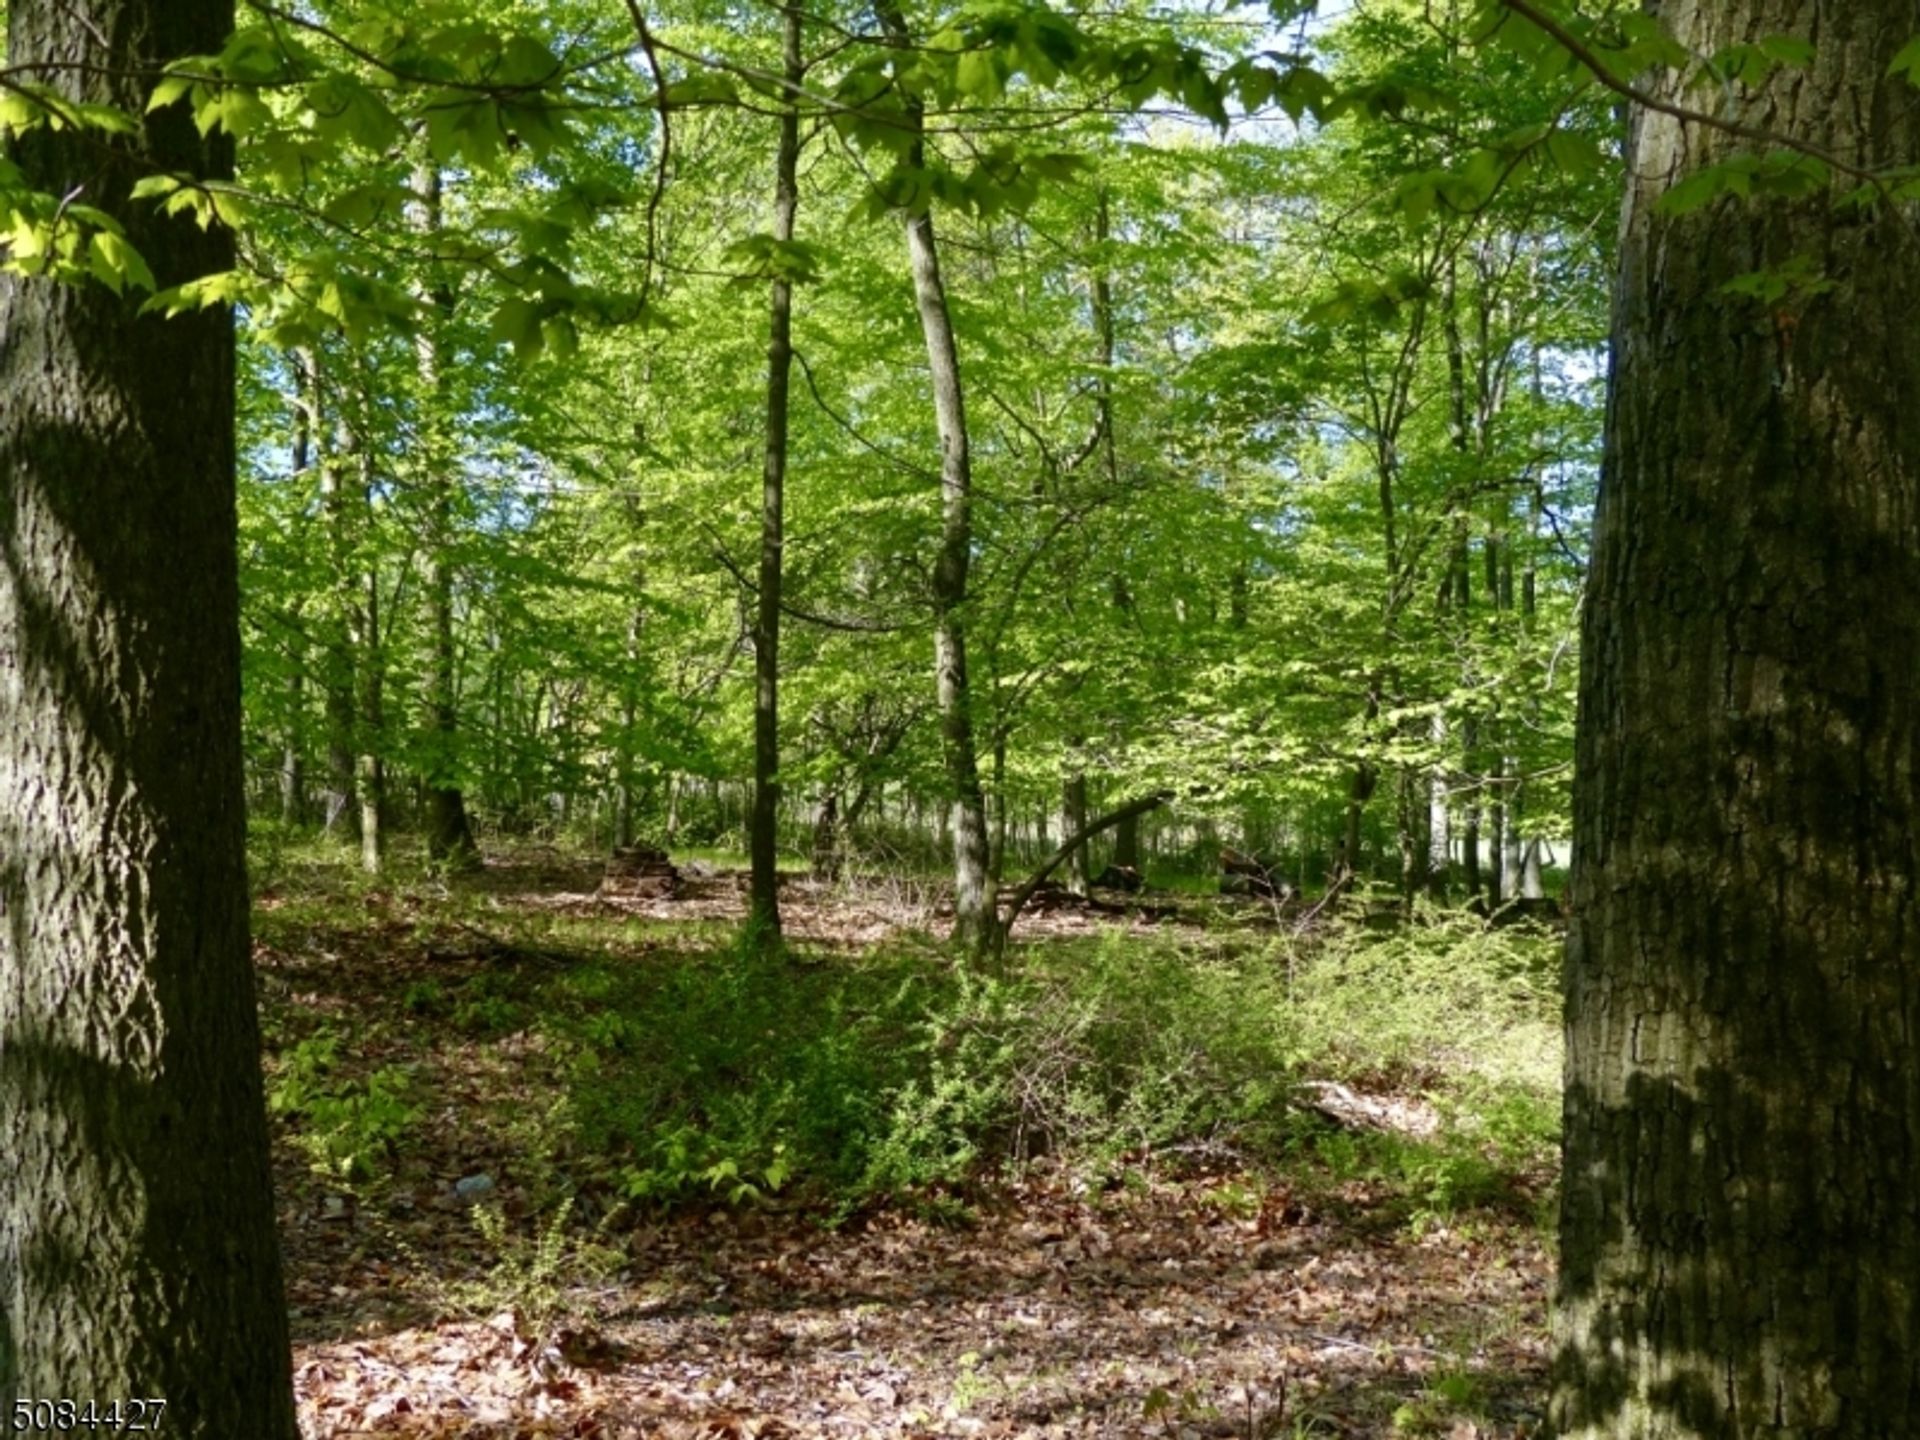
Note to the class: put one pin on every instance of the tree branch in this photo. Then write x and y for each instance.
(1080, 837)
(1595, 63)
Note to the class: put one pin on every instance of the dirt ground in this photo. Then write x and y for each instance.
(1190, 1300)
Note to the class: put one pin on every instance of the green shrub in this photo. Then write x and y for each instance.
(1443, 1000)
(349, 1129)
(734, 1074)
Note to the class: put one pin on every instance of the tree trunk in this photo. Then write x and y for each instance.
(1439, 816)
(763, 841)
(1359, 791)
(974, 920)
(137, 1249)
(293, 767)
(826, 838)
(449, 832)
(369, 768)
(1410, 820)
(1512, 846)
(1496, 837)
(337, 647)
(1126, 843)
(997, 847)
(1073, 819)
(1738, 1228)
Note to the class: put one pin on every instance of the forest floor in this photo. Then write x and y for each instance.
(1184, 1294)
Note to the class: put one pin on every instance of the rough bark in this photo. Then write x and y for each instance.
(1739, 1231)
(137, 1249)
(763, 841)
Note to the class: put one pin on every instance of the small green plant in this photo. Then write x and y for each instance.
(349, 1129)
(528, 1275)
(1234, 1198)
(486, 1008)
(1454, 1393)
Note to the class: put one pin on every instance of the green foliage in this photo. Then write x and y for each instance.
(1092, 1053)
(530, 1274)
(727, 1075)
(738, 1077)
(349, 1128)
(1448, 996)
(487, 1006)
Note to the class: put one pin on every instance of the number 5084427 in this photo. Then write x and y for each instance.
(82, 1417)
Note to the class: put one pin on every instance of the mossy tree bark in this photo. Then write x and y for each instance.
(137, 1249)
(1739, 1228)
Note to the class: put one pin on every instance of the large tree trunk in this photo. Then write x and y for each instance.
(449, 831)
(974, 920)
(137, 1248)
(763, 841)
(1739, 1233)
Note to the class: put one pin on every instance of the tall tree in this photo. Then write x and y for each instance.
(764, 838)
(975, 922)
(137, 1247)
(1738, 1229)
(449, 832)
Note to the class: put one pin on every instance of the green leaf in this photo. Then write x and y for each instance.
(171, 88)
(116, 264)
(517, 322)
(1907, 62)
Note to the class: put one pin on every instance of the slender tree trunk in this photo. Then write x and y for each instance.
(1512, 844)
(369, 768)
(763, 841)
(1359, 791)
(1073, 818)
(974, 920)
(623, 800)
(1496, 837)
(826, 837)
(449, 831)
(138, 1256)
(1738, 1232)
(1533, 885)
(337, 646)
(1126, 833)
(1411, 822)
(997, 848)
(293, 768)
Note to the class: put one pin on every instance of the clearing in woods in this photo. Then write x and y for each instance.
(560, 1158)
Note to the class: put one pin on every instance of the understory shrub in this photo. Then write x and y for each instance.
(736, 1075)
(349, 1128)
